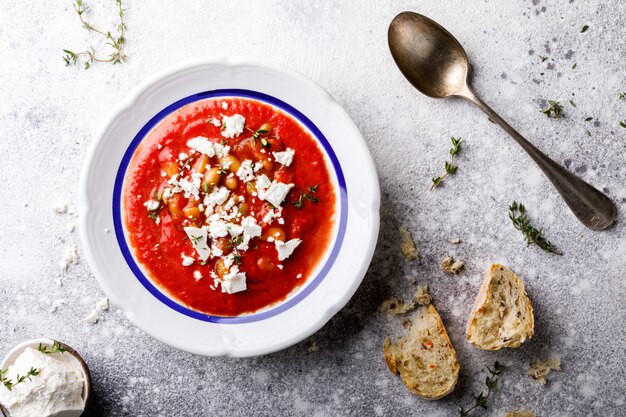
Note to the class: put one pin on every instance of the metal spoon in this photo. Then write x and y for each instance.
(436, 64)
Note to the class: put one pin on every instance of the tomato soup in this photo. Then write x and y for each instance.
(229, 205)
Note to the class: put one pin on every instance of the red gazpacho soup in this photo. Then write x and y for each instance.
(229, 205)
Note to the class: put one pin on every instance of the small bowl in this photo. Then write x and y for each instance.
(11, 357)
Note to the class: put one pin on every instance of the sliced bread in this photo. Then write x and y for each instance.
(502, 315)
(424, 358)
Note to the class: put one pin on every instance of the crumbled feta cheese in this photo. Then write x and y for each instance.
(101, 306)
(70, 227)
(60, 208)
(216, 252)
(247, 169)
(281, 221)
(234, 281)
(70, 257)
(183, 156)
(285, 249)
(55, 304)
(218, 228)
(280, 266)
(152, 205)
(276, 193)
(271, 215)
(197, 275)
(205, 146)
(198, 238)
(187, 260)
(285, 158)
(218, 196)
(230, 204)
(235, 229)
(262, 182)
(299, 276)
(233, 125)
(250, 230)
(224, 105)
(216, 122)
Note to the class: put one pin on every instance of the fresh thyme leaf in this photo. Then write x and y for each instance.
(533, 236)
(18, 379)
(312, 189)
(555, 110)
(205, 187)
(572, 103)
(449, 166)
(490, 120)
(55, 348)
(584, 29)
(622, 124)
(588, 119)
(117, 56)
(543, 58)
(621, 96)
(588, 133)
(574, 65)
(480, 399)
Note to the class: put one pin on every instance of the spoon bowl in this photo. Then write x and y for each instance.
(428, 55)
(436, 64)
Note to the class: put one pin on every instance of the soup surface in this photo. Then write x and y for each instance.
(229, 205)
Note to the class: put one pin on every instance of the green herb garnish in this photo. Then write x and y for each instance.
(55, 348)
(449, 167)
(256, 134)
(555, 110)
(588, 119)
(117, 56)
(312, 189)
(19, 379)
(480, 399)
(533, 236)
(584, 29)
(543, 58)
(622, 124)
(621, 96)
(574, 65)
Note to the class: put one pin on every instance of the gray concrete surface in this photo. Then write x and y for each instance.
(49, 113)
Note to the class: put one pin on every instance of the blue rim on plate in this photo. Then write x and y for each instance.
(117, 207)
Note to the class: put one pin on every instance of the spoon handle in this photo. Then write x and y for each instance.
(593, 208)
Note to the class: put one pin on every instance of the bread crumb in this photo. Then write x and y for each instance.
(539, 370)
(449, 265)
(101, 306)
(70, 257)
(455, 241)
(396, 307)
(313, 346)
(60, 208)
(54, 305)
(71, 210)
(520, 414)
(422, 296)
(407, 245)
(70, 227)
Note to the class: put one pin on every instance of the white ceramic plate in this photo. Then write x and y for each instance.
(317, 300)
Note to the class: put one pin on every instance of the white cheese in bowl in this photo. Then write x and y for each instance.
(57, 389)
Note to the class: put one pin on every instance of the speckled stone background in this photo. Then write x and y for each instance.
(49, 114)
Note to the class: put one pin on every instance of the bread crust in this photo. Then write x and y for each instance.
(395, 351)
(481, 306)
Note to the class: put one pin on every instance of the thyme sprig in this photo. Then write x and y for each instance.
(480, 399)
(312, 189)
(116, 42)
(55, 348)
(555, 110)
(449, 167)
(9, 384)
(621, 96)
(256, 135)
(533, 236)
